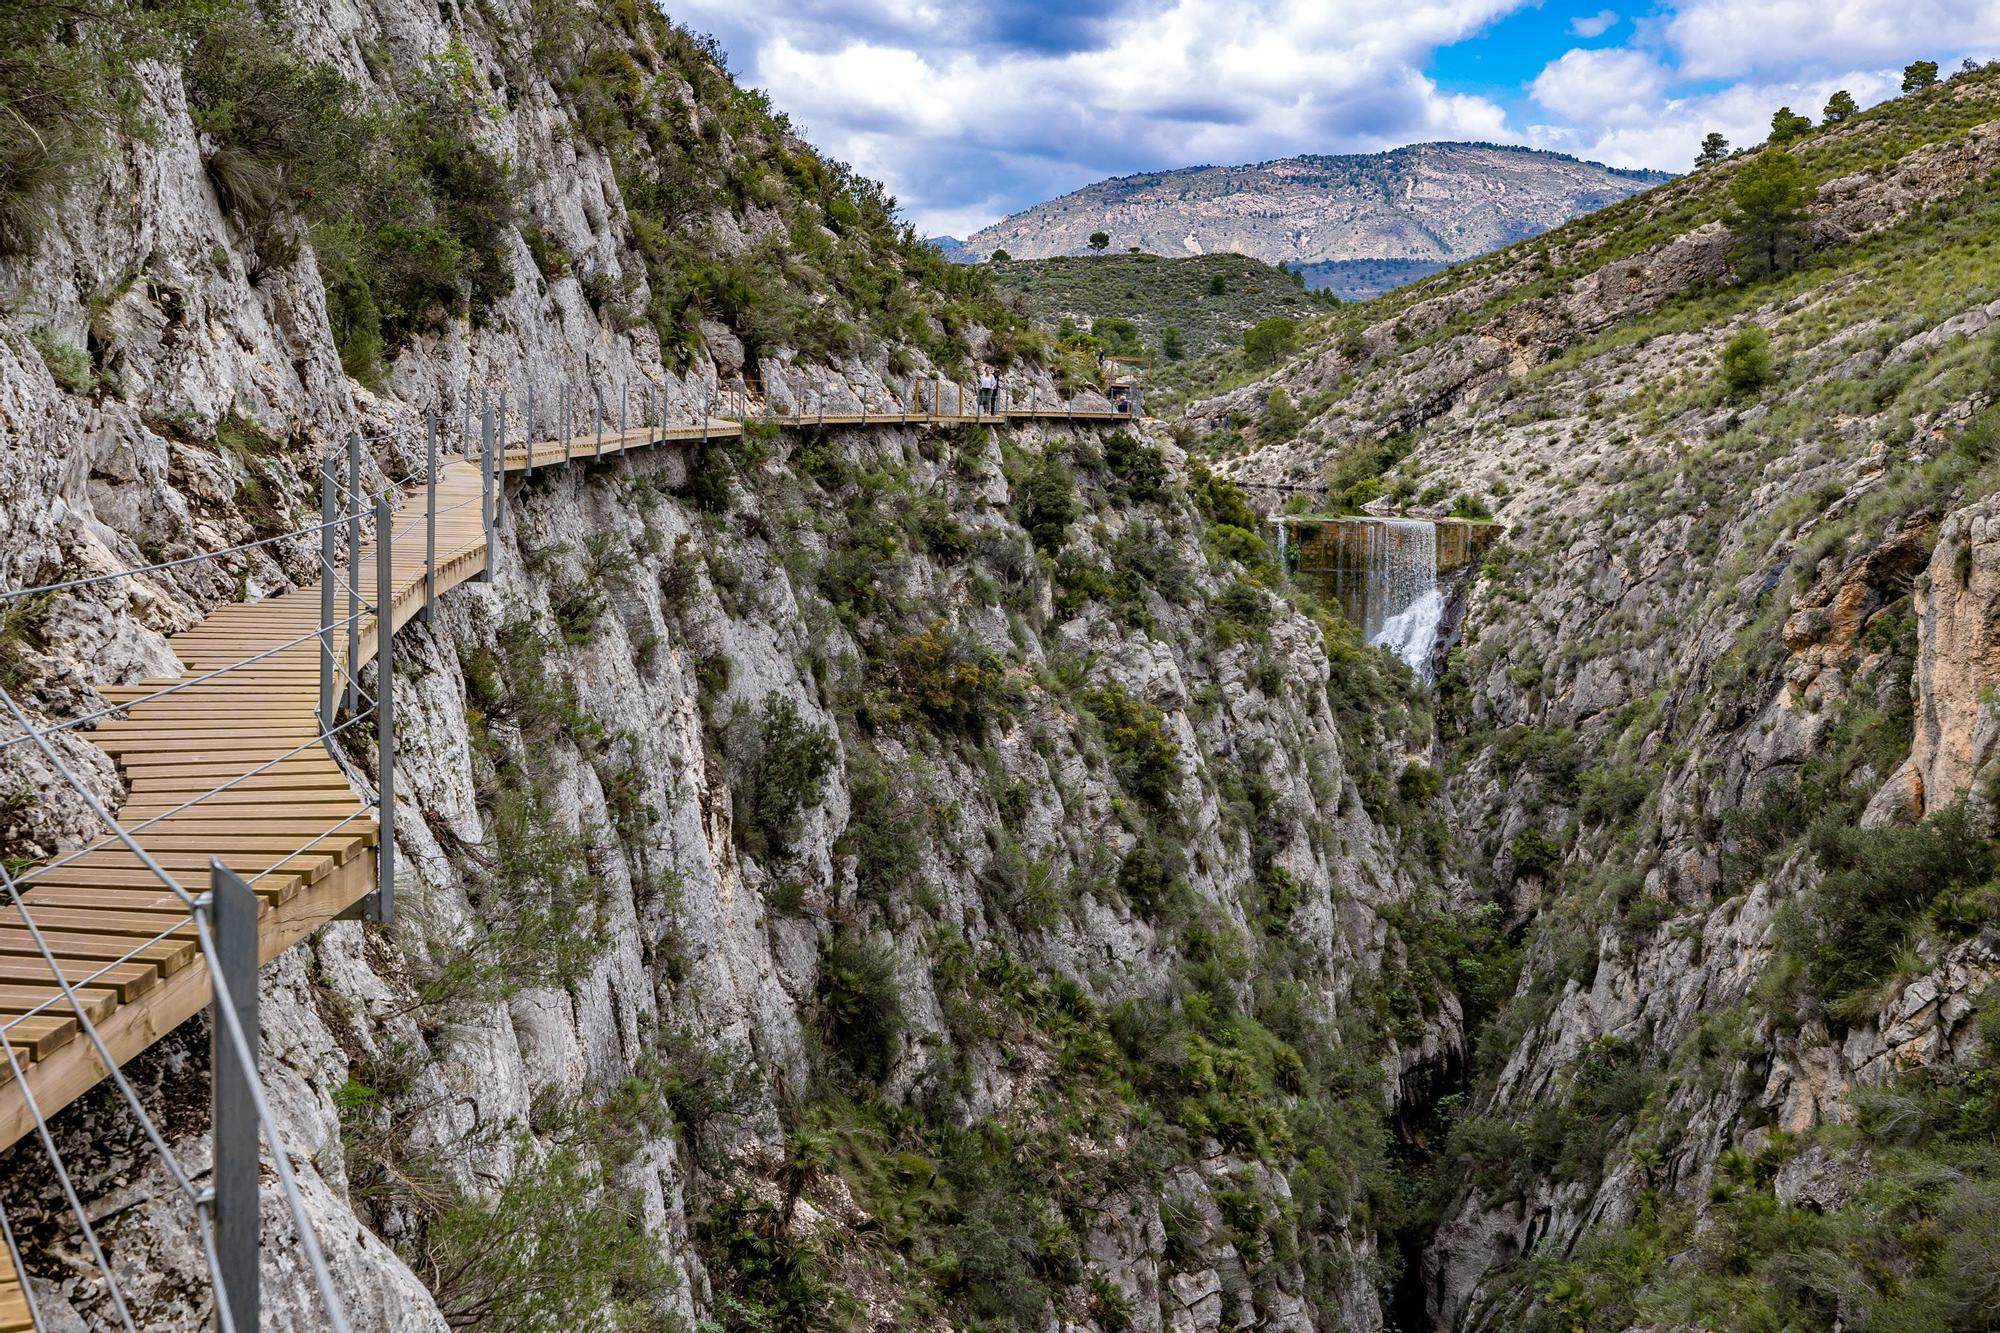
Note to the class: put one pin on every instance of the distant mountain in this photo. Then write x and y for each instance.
(1437, 202)
(1364, 279)
(953, 249)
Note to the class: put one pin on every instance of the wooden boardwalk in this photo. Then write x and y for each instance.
(231, 765)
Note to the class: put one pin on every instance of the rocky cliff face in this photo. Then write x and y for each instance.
(886, 880)
(1437, 202)
(1719, 737)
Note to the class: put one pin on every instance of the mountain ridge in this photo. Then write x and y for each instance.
(1438, 202)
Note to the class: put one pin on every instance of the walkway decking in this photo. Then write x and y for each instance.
(234, 767)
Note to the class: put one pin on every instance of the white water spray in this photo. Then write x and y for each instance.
(1405, 604)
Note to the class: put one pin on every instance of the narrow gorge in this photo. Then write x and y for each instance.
(1484, 822)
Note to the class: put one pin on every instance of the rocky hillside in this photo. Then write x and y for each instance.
(1209, 299)
(854, 881)
(1440, 202)
(1719, 745)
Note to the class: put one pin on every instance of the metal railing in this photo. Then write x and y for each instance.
(224, 917)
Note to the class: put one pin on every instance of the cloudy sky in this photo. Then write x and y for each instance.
(970, 111)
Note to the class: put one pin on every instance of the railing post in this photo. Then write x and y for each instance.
(232, 913)
(486, 489)
(706, 405)
(624, 386)
(597, 415)
(385, 717)
(568, 415)
(529, 432)
(329, 515)
(353, 563)
(431, 521)
(465, 435)
(500, 464)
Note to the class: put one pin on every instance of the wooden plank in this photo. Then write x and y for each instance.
(97, 1001)
(72, 947)
(126, 980)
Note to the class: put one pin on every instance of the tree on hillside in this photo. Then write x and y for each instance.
(1746, 362)
(1787, 125)
(1216, 285)
(1120, 337)
(1269, 341)
(1100, 240)
(1769, 213)
(1839, 107)
(1171, 346)
(1713, 149)
(1001, 256)
(1919, 75)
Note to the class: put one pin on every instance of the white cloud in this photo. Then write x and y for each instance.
(968, 111)
(1588, 85)
(945, 119)
(1720, 39)
(1666, 135)
(1594, 25)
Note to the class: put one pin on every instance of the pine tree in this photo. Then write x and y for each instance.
(1713, 149)
(1839, 107)
(1770, 196)
(1787, 125)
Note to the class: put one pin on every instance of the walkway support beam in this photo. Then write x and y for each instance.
(385, 716)
(329, 515)
(486, 488)
(353, 564)
(430, 517)
(232, 907)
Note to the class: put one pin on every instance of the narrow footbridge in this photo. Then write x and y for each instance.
(260, 805)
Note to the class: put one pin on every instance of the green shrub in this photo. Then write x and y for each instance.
(1281, 420)
(1046, 502)
(69, 365)
(1270, 340)
(939, 677)
(1143, 755)
(1139, 470)
(858, 1005)
(1878, 884)
(558, 1245)
(1534, 853)
(1746, 362)
(781, 763)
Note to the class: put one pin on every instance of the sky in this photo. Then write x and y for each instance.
(969, 112)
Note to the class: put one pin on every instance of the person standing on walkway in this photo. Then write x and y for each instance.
(989, 391)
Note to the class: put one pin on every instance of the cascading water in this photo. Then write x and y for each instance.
(1384, 573)
(1404, 601)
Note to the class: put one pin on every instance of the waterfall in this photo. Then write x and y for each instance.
(1405, 603)
(1384, 574)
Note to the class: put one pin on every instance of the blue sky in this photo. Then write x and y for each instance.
(972, 111)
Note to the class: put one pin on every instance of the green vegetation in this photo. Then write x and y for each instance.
(780, 765)
(408, 215)
(1787, 125)
(69, 365)
(1207, 300)
(1909, 1248)
(552, 1243)
(1746, 362)
(1769, 196)
(1270, 341)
